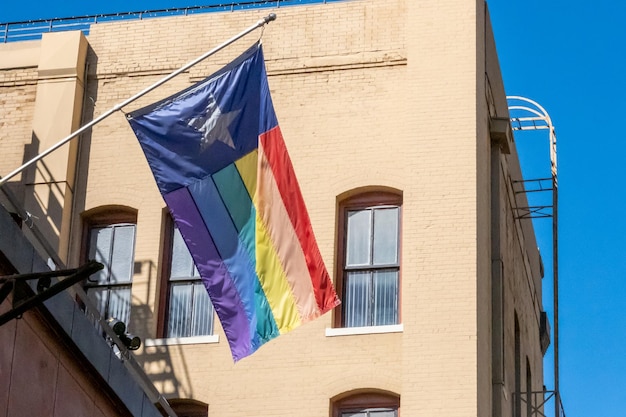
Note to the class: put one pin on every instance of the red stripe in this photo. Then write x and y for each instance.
(278, 158)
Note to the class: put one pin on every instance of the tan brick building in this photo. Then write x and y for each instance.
(394, 114)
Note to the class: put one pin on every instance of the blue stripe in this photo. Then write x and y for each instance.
(236, 258)
(222, 290)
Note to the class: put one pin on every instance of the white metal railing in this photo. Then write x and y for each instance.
(34, 29)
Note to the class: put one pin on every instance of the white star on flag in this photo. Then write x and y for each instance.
(213, 124)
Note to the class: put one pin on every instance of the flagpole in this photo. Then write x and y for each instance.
(262, 22)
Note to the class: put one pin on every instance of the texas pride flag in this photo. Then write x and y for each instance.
(220, 162)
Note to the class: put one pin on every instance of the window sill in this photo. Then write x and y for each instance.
(350, 331)
(194, 340)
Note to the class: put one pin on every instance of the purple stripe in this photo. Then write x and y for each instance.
(234, 255)
(218, 282)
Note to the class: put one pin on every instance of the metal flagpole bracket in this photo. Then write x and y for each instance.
(260, 23)
(269, 18)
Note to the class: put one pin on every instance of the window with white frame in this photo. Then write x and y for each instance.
(370, 281)
(113, 245)
(189, 309)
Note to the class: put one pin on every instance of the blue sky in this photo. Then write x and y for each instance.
(569, 57)
(48, 9)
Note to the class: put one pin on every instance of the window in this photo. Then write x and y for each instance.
(111, 241)
(366, 404)
(370, 260)
(189, 309)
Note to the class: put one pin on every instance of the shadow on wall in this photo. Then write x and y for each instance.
(41, 194)
(157, 361)
(158, 365)
(43, 190)
(84, 145)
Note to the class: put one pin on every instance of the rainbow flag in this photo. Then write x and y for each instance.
(220, 162)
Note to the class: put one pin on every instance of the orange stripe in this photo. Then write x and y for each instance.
(274, 216)
(276, 154)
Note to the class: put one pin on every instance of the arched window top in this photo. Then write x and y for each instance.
(370, 195)
(366, 403)
(185, 407)
(110, 214)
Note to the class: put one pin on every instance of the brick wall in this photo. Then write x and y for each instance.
(17, 103)
(367, 93)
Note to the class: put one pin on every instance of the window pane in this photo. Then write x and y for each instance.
(100, 251)
(123, 254)
(202, 311)
(112, 302)
(357, 299)
(182, 263)
(353, 414)
(179, 318)
(358, 238)
(386, 236)
(190, 310)
(119, 304)
(100, 297)
(385, 298)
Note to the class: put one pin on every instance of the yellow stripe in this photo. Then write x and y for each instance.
(269, 269)
(288, 248)
(247, 167)
(268, 265)
(274, 282)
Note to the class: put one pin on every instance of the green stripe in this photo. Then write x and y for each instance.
(239, 205)
(235, 195)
